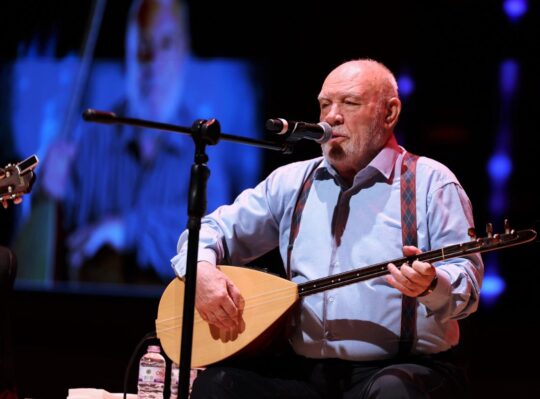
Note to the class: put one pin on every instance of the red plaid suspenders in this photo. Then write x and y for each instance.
(409, 237)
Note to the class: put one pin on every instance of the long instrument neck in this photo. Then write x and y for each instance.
(380, 269)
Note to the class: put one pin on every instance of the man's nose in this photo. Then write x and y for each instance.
(334, 116)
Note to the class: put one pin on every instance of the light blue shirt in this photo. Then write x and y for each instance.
(345, 228)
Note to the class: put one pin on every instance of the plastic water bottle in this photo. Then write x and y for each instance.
(151, 374)
(175, 377)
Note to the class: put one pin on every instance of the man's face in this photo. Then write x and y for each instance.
(156, 50)
(350, 103)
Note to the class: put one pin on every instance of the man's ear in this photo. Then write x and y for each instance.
(393, 109)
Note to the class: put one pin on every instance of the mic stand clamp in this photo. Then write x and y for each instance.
(203, 132)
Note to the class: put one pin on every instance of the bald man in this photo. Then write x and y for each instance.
(352, 341)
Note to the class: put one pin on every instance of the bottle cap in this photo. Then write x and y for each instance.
(154, 348)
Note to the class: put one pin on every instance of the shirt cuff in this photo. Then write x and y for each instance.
(440, 294)
(179, 261)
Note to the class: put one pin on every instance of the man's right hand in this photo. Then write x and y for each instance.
(217, 299)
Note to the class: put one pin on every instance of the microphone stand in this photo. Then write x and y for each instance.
(203, 132)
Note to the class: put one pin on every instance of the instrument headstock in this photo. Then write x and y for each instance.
(492, 241)
(17, 179)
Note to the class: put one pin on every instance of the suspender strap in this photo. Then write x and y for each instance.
(297, 215)
(409, 237)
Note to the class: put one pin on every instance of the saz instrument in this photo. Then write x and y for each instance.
(268, 298)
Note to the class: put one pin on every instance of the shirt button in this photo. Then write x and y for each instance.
(331, 299)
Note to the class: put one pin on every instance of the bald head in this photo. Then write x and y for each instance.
(371, 73)
(156, 49)
(143, 13)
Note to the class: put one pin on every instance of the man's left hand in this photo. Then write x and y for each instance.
(411, 280)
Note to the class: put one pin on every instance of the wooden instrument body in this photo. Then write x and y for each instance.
(267, 298)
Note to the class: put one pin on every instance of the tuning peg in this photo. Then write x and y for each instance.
(506, 227)
(489, 230)
(471, 233)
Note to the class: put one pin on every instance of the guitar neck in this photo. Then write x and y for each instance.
(452, 251)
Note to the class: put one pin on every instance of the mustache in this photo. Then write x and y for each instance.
(339, 133)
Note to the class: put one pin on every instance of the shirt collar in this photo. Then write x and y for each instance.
(383, 162)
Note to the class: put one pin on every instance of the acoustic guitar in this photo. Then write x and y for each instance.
(268, 298)
(17, 179)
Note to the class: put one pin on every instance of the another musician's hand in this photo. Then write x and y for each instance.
(88, 240)
(5, 201)
(217, 299)
(411, 280)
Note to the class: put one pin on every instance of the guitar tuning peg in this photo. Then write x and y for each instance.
(489, 230)
(471, 233)
(506, 226)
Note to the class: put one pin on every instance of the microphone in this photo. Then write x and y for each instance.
(294, 131)
(93, 115)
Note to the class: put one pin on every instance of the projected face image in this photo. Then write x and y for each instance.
(156, 50)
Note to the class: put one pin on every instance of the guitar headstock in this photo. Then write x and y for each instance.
(17, 179)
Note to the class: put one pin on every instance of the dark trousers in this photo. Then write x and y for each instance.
(292, 376)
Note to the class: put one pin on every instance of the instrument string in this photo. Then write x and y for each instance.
(276, 295)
